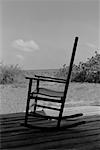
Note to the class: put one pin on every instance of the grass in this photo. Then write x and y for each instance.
(13, 98)
(10, 74)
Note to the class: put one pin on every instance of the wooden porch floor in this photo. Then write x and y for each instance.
(15, 136)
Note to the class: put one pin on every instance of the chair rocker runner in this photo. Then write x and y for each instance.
(47, 95)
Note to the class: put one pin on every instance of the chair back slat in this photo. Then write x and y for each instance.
(48, 107)
(47, 99)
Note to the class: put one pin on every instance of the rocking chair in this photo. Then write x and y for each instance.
(42, 94)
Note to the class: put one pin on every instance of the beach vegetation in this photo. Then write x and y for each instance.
(88, 71)
(10, 74)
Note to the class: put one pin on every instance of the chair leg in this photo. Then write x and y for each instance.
(59, 119)
(27, 109)
(28, 101)
(37, 88)
(59, 122)
(35, 104)
(60, 115)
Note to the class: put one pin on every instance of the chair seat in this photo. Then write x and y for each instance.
(49, 92)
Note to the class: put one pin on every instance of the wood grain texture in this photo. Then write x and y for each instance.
(14, 135)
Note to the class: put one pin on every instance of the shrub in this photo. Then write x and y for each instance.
(84, 72)
(9, 74)
(62, 72)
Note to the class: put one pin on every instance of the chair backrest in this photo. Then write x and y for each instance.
(70, 67)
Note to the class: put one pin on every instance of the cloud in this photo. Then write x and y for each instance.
(20, 57)
(27, 46)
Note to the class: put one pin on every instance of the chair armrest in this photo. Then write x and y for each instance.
(47, 77)
(32, 78)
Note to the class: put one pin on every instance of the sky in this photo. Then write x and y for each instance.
(39, 34)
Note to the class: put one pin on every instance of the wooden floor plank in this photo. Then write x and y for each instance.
(49, 142)
(16, 136)
(93, 146)
(70, 135)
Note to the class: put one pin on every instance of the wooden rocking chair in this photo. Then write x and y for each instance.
(48, 95)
